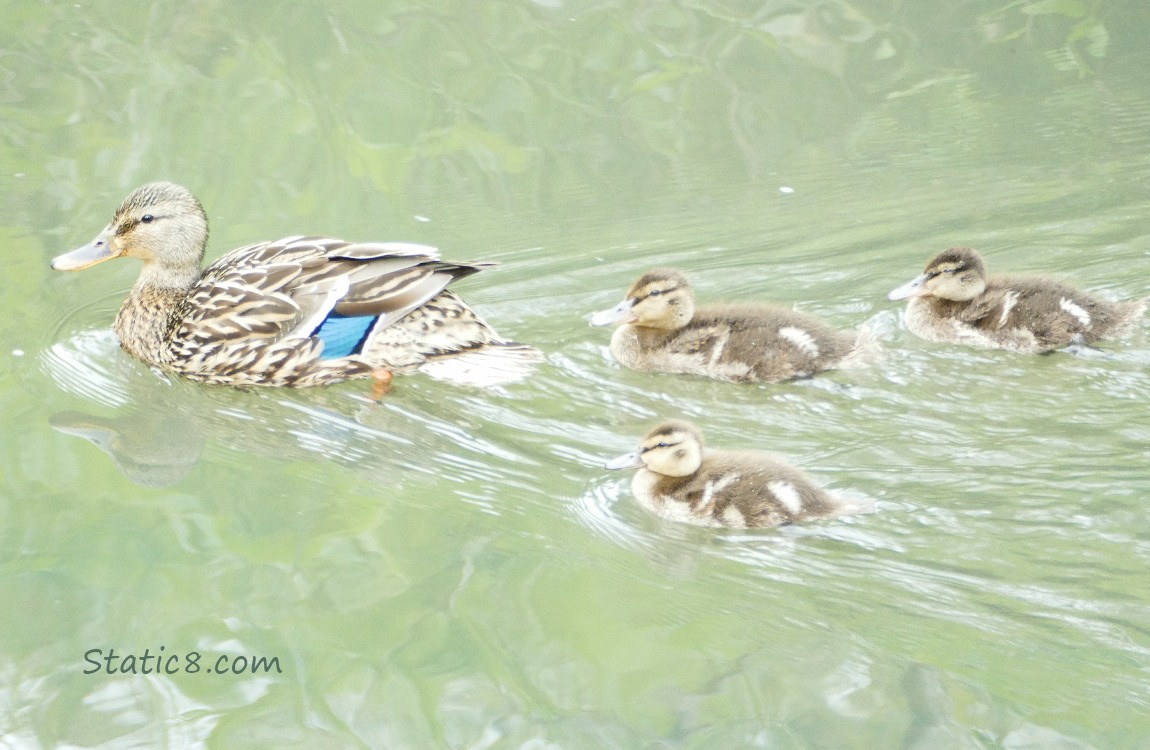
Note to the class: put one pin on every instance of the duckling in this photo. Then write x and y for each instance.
(660, 330)
(679, 481)
(299, 311)
(955, 302)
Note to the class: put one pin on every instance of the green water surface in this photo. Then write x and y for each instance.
(452, 567)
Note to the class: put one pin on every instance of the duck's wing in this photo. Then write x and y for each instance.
(288, 288)
(704, 340)
(991, 310)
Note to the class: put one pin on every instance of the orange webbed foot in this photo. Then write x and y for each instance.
(380, 383)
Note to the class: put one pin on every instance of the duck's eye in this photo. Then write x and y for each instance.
(655, 292)
(147, 218)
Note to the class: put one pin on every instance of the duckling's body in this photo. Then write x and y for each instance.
(677, 479)
(661, 330)
(954, 301)
(300, 311)
(760, 343)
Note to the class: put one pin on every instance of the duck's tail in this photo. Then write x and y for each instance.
(866, 350)
(1126, 316)
(492, 363)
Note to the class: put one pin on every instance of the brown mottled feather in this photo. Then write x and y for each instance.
(248, 318)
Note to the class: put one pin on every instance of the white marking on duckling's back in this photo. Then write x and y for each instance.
(1008, 303)
(714, 486)
(787, 495)
(801, 339)
(717, 351)
(733, 517)
(1070, 307)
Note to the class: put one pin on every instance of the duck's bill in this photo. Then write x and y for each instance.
(103, 248)
(620, 313)
(628, 461)
(912, 288)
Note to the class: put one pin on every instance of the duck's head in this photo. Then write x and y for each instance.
(160, 223)
(661, 298)
(956, 274)
(674, 449)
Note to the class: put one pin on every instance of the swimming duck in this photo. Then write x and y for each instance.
(661, 330)
(955, 302)
(299, 311)
(679, 481)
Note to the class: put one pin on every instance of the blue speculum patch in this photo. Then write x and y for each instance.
(342, 336)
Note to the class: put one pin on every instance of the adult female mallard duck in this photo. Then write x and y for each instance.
(679, 481)
(661, 330)
(300, 311)
(955, 302)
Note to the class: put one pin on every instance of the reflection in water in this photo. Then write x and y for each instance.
(447, 568)
(156, 434)
(148, 437)
(159, 426)
(154, 447)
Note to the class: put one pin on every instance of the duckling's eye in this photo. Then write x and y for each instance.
(147, 218)
(655, 292)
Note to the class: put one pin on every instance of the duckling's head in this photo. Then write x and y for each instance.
(674, 449)
(661, 298)
(956, 274)
(160, 223)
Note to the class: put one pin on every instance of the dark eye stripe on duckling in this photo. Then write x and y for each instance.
(660, 444)
(657, 291)
(949, 268)
(665, 435)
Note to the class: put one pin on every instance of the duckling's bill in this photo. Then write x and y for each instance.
(617, 315)
(103, 248)
(913, 288)
(632, 460)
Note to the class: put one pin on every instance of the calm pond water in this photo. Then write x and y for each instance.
(453, 568)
